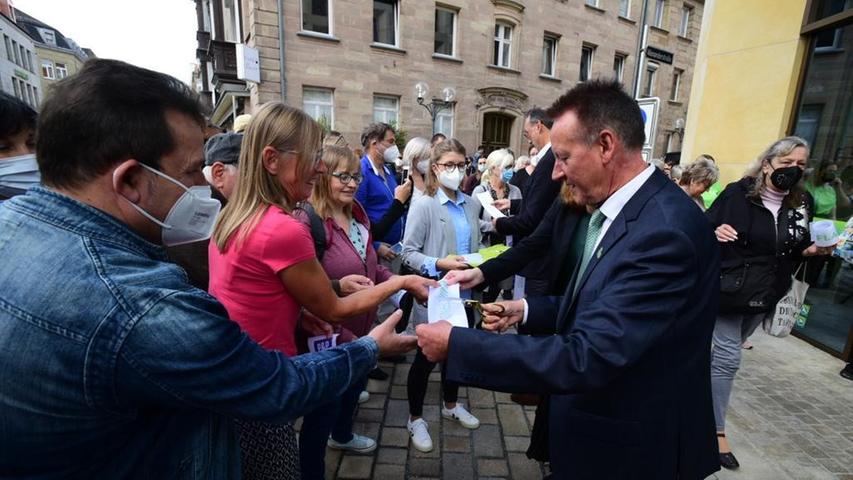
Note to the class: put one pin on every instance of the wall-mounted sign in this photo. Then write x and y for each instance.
(248, 63)
(22, 75)
(663, 56)
(649, 107)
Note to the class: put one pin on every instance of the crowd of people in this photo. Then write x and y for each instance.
(174, 297)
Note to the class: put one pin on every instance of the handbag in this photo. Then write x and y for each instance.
(787, 308)
(746, 285)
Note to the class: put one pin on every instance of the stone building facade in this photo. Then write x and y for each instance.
(356, 61)
(19, 62)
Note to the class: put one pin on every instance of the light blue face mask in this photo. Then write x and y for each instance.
(506, 175)
(19, 173)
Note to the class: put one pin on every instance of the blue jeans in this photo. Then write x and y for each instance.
(333, 418)
(730, 331)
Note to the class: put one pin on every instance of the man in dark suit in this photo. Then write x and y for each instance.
(626, 358)
(540, 194)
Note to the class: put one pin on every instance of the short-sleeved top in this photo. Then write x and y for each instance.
(245, 278)
(824, 198)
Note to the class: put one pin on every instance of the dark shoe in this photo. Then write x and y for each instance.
(847, 372)
(378, 374)
(727, 459)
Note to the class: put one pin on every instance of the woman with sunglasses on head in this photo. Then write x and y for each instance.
(442, 225)
(263, 267)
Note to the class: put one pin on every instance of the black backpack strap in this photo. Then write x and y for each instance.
(318, 230)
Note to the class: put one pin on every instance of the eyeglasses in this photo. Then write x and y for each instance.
(318, 156)
(452, 167)
(345, 177)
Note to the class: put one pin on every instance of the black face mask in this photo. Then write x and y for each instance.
(829, 176)
(785, 178)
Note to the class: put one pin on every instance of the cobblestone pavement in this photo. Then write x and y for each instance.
(791, 418)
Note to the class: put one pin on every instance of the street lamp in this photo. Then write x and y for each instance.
(435, 105)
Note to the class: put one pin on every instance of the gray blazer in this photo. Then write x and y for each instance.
(430, 233)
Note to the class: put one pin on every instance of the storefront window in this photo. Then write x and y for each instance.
(825, 119)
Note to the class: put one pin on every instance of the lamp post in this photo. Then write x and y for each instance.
(435, 105)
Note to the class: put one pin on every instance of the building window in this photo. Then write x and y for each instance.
(828, 41)
(316, 15)
(670, 142)
(385, 14)
(61, 71)
(319, 104)
(625, 8)
(660, 13)
(16, 87)
(445, 32)
(503, 45)
(592, 3)
(30, 99)
(676, 84)
(16, 52)
(9, 55)
(47, 70)
(444, 122)
(649, 86)
(549, 56)
(48, 35)
(386, 109)
(618, 67)
(32, 67)
(231, 20)
(587, 52)
(36, 95)
(23, 57)
(684, 27)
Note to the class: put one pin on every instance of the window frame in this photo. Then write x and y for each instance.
(555, 40)
(329, 20)
(684, 26)
(396, 43)
(619, 58)
(677, 74)
(627, 13)
(591, 3)
(659, 18)
(331, 103)
(61, 70)
(396, 110)
(591, 49)
(499, 41)
(16, 52)
(453, 34)
(443, 113)
(47, 66)
(651, 76)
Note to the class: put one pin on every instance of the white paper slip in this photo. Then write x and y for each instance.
(486, 201)
(473, 259)
(322, 342)
(444, 304)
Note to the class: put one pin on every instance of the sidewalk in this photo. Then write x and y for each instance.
(791, 418)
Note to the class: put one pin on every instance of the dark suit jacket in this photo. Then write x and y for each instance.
(541, 192)
(629, 368)
(551, 239)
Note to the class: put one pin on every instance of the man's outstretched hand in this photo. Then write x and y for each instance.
(391, 343)
(434, 339)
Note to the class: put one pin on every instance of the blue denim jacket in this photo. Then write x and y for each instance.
(113, 366)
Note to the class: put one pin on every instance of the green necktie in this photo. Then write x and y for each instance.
(596, 221)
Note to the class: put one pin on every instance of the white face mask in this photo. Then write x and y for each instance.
(20, 173)
(422, 166)
(191, 218)
(481, 167)
(450, 180)
(398, 163)
(391, 154)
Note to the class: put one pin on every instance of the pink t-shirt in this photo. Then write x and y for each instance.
(245, 279)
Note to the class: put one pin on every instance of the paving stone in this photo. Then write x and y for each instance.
(492, 468)
(523, 467)
(456, 444)
(452, 427)
(397, 413)
(401, 375)
(485, 415)
(481, 398)
(501, 397)
(457, 466)
(356, 467)
(425, 467)
(377, 400)
(394, 437)
(370, 430)
(389, 472)
(512, 420)
(517, 444)
(375, 386)
(369, 415)
(394, 456)
(432, 414)
(399, 392)
(433, 393)
(487, 441)
(333, 460)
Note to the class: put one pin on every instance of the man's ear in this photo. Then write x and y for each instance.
(606, 143)
(216, 170)
(129, 180)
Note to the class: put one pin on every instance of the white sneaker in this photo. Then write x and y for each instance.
(461, 415)
(363, 396)
(419, 431)
(358, 444)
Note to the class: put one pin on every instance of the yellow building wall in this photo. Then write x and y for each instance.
(748, 64)
(71, 62)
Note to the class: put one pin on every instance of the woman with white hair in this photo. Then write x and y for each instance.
(762, 225)
(697, 178)
(496, 182)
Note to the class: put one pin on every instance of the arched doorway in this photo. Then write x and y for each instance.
(497, 131)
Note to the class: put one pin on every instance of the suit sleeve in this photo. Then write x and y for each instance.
(613, 329)
(531, 247)
(540, 193)
(392, 215)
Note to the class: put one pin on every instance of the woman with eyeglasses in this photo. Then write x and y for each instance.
(442, 225)
(264, 270)
(348, 251)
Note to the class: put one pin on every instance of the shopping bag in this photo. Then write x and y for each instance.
(787, 309)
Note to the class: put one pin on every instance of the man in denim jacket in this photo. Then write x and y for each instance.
(111, 364)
